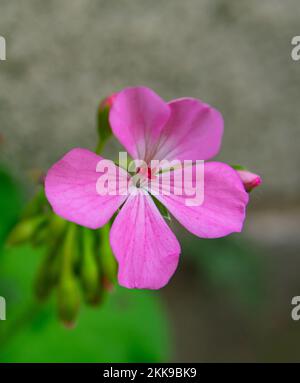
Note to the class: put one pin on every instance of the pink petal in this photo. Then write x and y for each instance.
(146, 249)
(137, 117)
(193, 132)
(223, 209)
(70, 187)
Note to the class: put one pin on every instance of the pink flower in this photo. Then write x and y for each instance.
(250, 180)
(146, 249)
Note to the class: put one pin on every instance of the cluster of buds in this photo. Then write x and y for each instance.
(78, 264)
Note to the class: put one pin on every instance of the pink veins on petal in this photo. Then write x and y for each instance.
(149, 128)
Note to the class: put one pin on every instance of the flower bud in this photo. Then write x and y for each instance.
(89, 268)
(57, 226)
(250, 180)
(68, 299)
(108, 261)
(108, 101)
(40, 236)
(48, 275)
(68, 292)
(25, 230)
(103, 125)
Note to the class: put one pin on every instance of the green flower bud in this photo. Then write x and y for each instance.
(48, 274)
(68, 292)
(68, 299)
(103, 125)
(40, 236)
(89, 268)
(25, 230)
(57, 226)
(108, 262)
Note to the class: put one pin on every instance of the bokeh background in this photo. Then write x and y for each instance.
(230, 299)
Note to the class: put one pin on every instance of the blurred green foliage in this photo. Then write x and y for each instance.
(130, 326)
(10, 204)
(232, 265)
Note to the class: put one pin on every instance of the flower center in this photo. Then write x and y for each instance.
(146, 172)
(142, 175)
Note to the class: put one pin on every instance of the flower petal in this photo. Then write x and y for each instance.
(145, 247)
(193, 132)
(71, 189)
(222, 210)
(137, 117)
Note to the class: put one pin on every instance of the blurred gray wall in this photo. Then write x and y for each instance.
(64, 56)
